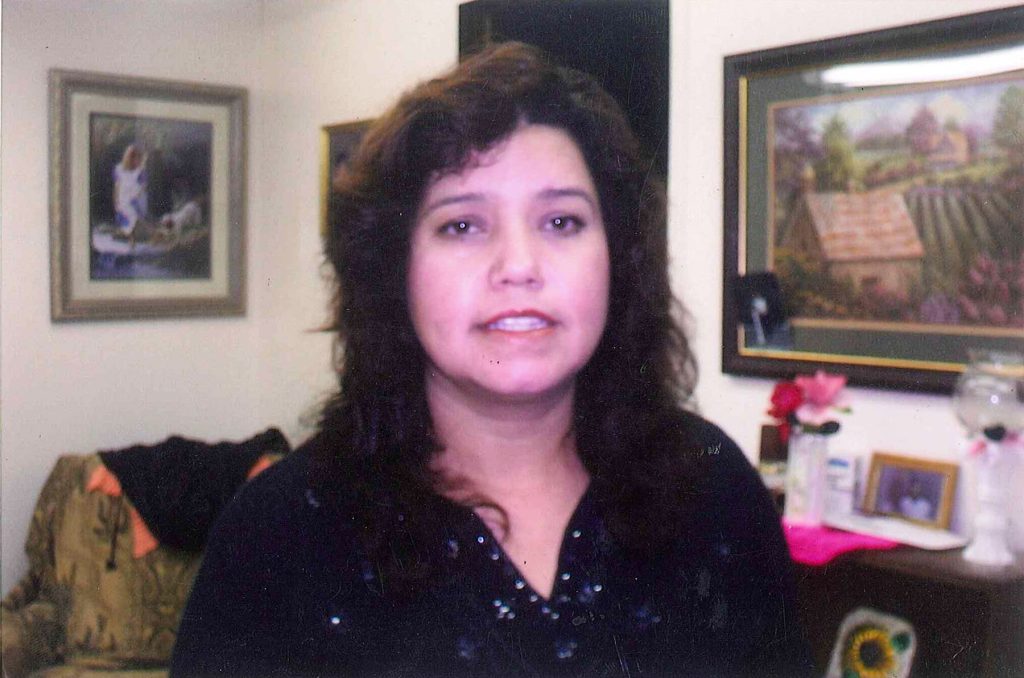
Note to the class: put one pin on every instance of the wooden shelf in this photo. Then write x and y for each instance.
(969, 619)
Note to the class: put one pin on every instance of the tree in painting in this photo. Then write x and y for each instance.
(1008, 129)
(836, 169)
(795, 146)
(923, 132)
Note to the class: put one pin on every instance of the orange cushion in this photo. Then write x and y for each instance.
(143, 541)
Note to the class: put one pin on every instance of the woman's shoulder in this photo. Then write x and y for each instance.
(705, 443)
(280, 484)
(265, 511)
(701, 431)
(279, 503)
(277, 526)
(276, 553)
(726, 482)
(738, 537)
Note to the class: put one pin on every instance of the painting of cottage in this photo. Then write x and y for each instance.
(866, 238)
(902, 207)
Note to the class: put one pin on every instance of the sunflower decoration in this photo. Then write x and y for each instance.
(873, 645)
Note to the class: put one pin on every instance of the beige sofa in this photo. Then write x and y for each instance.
(87, 607)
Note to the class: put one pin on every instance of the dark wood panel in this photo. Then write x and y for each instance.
(969, 619)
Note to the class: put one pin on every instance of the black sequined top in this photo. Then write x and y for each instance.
(283, 591)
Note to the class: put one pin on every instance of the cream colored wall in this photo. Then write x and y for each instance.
(86, 386)
(325, 62)
(103, 385)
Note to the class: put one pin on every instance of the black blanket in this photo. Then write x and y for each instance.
(180, 486)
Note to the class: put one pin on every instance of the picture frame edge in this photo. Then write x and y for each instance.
(326, 131)
(63, 83)
(738, 66)
(948, 469)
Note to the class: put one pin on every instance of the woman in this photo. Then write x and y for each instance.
(505, 483)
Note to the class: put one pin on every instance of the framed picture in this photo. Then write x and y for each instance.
(918, 490)
(147, 197)
(339, 142)
(873, 186)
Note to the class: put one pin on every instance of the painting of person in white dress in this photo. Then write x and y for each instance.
(131, 196)
(149, 194)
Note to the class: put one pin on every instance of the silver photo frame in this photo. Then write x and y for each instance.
(147, 198)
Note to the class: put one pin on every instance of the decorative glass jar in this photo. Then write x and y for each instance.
(989, 402)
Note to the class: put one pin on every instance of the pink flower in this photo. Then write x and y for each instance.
(821, 394)
(996, 315)
(969, 308)
(822, 389)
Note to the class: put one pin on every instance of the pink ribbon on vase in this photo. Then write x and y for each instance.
(1012, 440)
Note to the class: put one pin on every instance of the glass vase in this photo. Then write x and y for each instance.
(990, 545)
(990, 392)
(989, 395)
(805, 478)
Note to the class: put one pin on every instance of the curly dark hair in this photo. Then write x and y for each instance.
(375, 438)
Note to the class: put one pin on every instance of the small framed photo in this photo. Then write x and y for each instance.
(339, 142)
(917, 490)
(147, 197)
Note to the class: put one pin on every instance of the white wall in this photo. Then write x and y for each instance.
(326, 62)
(104, 385)
(86, 386)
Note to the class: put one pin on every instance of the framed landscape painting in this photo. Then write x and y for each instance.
(874, 190)
(147, 197)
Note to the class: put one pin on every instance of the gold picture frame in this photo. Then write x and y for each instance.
(855, 239)
(337, 143)
(916, 490)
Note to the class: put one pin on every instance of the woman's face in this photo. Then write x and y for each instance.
(508, 269)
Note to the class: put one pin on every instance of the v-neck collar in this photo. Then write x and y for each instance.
(478, 538)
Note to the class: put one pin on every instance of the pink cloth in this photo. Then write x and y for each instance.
(819, 545)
